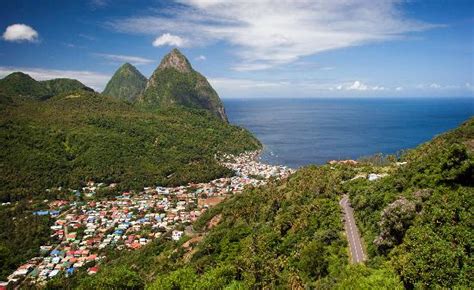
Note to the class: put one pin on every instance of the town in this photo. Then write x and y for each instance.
(84, 231)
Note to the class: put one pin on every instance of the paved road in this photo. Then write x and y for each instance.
(352, 233)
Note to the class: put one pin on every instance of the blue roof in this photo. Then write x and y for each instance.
(55, 252)
(41, 212)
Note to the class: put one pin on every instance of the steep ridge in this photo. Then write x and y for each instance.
(127, 83)
(176, 83)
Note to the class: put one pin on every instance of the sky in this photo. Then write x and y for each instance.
(252, 49)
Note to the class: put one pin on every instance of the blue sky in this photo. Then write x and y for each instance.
(339, 48)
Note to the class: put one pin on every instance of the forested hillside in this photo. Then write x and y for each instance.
(75, 137)
(416, 223)
(20, 85)
(420, 218)
(127, 83)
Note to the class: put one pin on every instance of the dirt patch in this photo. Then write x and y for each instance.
(192, 241)
(214, 221)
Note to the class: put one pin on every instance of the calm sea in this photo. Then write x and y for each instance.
(297, 132)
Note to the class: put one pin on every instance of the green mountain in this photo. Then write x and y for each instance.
(416, 223)
(64, 85)
(21, 85)
(176, 83)
(127, 83)
(74, 137)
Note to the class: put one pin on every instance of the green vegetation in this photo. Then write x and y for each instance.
(417, 224)
(288, 234)
(61, 86)
(176, 83)
(419, 219)
(70, 139)
(127, 83)
(20, 85)
(21, 235)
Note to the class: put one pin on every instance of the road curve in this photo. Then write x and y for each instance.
(352, 233)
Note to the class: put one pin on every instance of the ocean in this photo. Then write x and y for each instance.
(298, 132)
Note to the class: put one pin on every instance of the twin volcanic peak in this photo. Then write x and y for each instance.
(173, 83)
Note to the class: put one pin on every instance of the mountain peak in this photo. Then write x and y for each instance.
(126, 83)
(175, 59)
(19, 75)
(176, 83)
(127, 65)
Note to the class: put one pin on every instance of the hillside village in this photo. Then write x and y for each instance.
(83, 232)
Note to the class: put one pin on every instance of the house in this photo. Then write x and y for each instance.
(374, 176)
(176, 235)
(53, 273)
(93, 270)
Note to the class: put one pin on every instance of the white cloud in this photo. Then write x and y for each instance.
(238, 87)
(432, 87)
(242, 88)
(268, 33)
(200, 58)
(20, 32)
(359, 86)
(136, 60)
(169, 39)
(95, 80)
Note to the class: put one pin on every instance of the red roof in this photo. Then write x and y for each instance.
(93, 269)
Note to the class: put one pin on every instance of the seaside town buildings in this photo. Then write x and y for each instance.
(83, 232)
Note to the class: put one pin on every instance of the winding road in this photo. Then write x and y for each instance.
(352, 233)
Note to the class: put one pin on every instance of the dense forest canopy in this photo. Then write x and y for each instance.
(80, 136)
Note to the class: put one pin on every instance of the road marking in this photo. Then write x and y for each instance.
(355, 245)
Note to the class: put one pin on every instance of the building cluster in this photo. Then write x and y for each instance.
(247, 165)
(83, 232)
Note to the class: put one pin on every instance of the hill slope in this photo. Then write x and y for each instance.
(127, 83)
(20, 85)
(176, 83)
(75, 137)
(417, 224)
(420, 218)
(63, 85)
